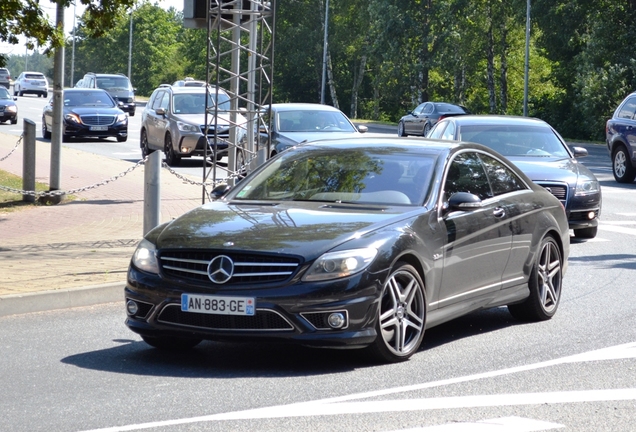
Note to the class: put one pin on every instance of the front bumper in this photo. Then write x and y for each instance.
(295, 312)
(116, 130)
(584, 211)
(195, 145)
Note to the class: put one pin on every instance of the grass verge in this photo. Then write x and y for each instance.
(11, 201)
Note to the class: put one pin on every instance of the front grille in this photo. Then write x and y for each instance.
(223, 131)
(248, 268)
(264, 319)
(98, 120)
(559, 190)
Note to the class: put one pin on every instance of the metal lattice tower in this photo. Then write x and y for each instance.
(240, 60)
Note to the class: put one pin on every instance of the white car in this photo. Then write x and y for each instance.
(31, 82)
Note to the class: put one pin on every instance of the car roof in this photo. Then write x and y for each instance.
(293, 106)
(84, 90)
(415, 144)
(503, 120)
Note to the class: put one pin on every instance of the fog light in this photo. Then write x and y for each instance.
(131, 307)
(336, 320)
(186, 149)
(591, 215)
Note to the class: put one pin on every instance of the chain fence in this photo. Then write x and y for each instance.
(240, 173)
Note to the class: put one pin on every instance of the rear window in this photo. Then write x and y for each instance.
(34, 76)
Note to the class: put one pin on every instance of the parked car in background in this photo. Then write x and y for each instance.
(322, 246)
(174, 120)
(425, 115)
(31, 83)
(621, 140)
(87, 113)
(5, 77)
(540, 152)
(117, 85)
(8, 107)
(292, 123)
(189, 82)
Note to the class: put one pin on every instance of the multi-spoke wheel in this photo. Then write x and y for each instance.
(172, 158)
(401, 132)
(545, 285)
(401, 315)
(622, 167)
(427, 129)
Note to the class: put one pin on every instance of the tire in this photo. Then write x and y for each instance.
(14, 121)
(427, 129)
(132, 113)
(122, 138)
(545, 284)
(143, 142)
(622, 167)
(401, 132)
(171, 343)
(172, 158)
(401, 316)
(586, 233)
(46, 133)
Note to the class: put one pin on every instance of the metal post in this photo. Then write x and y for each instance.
(28, 160)
(72, 83)
(152, 191)
(130, 37)
(58, 96)
(527, 65)
(324, 55)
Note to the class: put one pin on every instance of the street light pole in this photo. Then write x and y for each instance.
(72, 83)
(324, 55)
(527, 63)
(130, 46)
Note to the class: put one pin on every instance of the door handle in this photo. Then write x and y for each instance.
(499, 212)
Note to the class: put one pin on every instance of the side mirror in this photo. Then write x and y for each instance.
(161, 111)
(219, 191)
(579, 151)
(464, 201)
(362, 128)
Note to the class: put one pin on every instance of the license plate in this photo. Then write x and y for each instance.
(99, 128)
(218, 305)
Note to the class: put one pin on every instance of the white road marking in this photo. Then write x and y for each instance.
(504, 424)
(618, 229)
(341, 405)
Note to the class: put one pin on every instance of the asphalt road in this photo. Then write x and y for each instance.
(82, 370)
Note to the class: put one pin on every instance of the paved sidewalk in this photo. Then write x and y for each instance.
(77, 252)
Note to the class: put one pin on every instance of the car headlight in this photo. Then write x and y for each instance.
(187, 127)
(11, 108)
(334, 265)
(587, 186)
(122, 118)
(72, 118)
(145, 257)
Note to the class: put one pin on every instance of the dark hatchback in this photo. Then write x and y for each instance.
(87, 113)
(352, 243)
(621, 140)
(535, 147)
(8, 107)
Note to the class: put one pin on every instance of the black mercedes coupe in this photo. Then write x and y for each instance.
(353, 243)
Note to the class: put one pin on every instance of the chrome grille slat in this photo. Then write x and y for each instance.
(97, 120)
(248, 268)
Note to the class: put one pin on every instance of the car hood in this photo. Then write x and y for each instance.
(551, 169)
(307, 229)
(299, 137)
(89, 110)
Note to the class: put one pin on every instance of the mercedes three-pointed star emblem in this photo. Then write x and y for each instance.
(221, 269)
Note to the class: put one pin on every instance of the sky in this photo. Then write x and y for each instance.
(50, 8)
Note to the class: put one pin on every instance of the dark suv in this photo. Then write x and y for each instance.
(621, 140)
(117, 85)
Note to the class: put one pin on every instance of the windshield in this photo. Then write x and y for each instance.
(516, 140)
(4, 94)
(114, 83)
(313, 121)
(352, 175)
(87, 98)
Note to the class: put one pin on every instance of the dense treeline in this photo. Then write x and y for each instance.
(385, 56)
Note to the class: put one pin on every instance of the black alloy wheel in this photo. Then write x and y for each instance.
(401, 315)
(172, 158)
(545, 284)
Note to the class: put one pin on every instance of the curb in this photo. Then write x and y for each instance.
(17, 304)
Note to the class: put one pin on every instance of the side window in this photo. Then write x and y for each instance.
(438, 129)
(428, 108)
(156, 102)
(449, 132)
(628, 108)
(419, 109)
(165, 101)
(502, 179)
(466, 174)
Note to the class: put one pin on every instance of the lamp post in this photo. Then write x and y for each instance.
(73, 50)
(527, 63)
(324, 55)
(130, 46)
